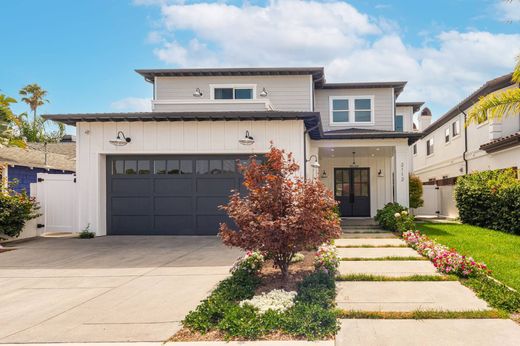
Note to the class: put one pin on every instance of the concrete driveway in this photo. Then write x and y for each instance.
(106, 289)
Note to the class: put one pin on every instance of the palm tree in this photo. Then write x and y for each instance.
(495, 106)
(34, 96)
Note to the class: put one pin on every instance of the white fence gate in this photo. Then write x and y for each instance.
(57, 195)
(438, 201)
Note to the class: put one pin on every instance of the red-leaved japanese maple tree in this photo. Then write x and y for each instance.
(282, 214)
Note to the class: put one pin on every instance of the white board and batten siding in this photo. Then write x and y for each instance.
(176, 137)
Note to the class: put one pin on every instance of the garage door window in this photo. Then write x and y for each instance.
(130, 167)
(173, 167)
(143, 167)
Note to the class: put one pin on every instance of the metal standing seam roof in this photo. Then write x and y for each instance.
(487, 88)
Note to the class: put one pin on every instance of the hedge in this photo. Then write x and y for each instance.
(490, 199)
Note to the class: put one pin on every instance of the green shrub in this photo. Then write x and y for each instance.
(404, 222)
(247, 323)
(87, 233)
(416, 192)
(240, 286)
(386, 216)
(318, 288)
(310, 321)
(15, 210)
(490, 199)
(208, 314)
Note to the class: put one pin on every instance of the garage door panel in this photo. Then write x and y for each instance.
(131, 225)
(137, 186)
(170, 224)
(180, 186)
(209, 224)
(209, 205)
(215, 186)
(173, 205)
(125, 205)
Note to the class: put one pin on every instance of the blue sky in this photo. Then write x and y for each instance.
(84, 52)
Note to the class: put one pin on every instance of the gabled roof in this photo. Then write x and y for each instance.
(30, 157)
(72, 119)
(416, 105)
(316, 72)
(489, 87)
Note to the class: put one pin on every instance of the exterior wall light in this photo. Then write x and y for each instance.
(324, 174)
(263, 93)
(315, 164)
(247, 139)
(120, 140)
(197, 93)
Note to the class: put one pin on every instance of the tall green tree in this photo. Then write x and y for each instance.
(34, 95)
(7, 120)
(495, 106)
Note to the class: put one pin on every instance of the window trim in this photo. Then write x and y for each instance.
(414, 149)
(212, 88)
(427, 147)
(351, 111)
(453, 136)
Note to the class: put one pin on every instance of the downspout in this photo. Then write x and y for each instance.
(305, 148)
(466, 164)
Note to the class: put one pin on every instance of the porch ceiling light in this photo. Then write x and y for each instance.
(120, 140)
(315, 164)
(197, 93)
(247, 139)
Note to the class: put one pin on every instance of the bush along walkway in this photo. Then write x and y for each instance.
(387, 295)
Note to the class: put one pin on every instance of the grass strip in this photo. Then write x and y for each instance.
(369, 246)
(423, 314)
(387, 258)
(369, 277)
(496, 294)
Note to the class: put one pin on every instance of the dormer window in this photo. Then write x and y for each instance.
(232, 92)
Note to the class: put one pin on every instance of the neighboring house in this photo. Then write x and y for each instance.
(179, 162)
(448, 149)
(22, 165)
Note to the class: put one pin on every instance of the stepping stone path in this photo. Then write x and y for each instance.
(408, 296)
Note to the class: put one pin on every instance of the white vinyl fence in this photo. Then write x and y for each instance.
(438, 201)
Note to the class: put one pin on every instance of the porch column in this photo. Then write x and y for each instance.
(402, 170)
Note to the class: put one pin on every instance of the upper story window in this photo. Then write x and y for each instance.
(447, 135)
(232, 92)
(414, 149)
(429, 147)
(351, 109)
(455, 128)
(399, 123)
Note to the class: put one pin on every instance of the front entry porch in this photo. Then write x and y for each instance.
(364, 175)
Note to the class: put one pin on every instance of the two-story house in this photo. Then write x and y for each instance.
(449, 149)
(166, 171)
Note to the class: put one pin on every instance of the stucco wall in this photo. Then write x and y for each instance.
(206, 137)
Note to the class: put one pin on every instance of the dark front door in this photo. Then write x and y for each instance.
(169, 194)
(352, 191)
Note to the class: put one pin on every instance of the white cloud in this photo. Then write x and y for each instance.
(351, 45)
(508, 10)
(132, 104)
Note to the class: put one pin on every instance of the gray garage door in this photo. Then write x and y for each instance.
(169, 195)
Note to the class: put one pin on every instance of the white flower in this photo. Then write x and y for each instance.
(297, 257)
(277, 300)
(404, 213)
(397, 215)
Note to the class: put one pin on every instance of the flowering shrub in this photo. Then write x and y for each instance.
(276, 300)
(327, 258)
(297, 257)
(251, 262)
(446, 260)
(16, 208)
(385, 217)
(404, 221)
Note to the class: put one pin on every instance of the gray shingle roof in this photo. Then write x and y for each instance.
(31, 157)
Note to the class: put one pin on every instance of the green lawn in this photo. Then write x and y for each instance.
(499, 251)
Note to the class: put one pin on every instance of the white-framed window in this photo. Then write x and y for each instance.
(447, 135)
(429, 147)
(232, 92)
(351, 110)
(455, 128)
(414, 149)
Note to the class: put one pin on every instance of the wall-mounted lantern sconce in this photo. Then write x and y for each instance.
(120, 140)
(263, 93)
(380, 173)
(315, 164)
(197, 93)
(247, 139)
(324, 174)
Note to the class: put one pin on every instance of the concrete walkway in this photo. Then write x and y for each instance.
(408, 296)
(107, 289)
